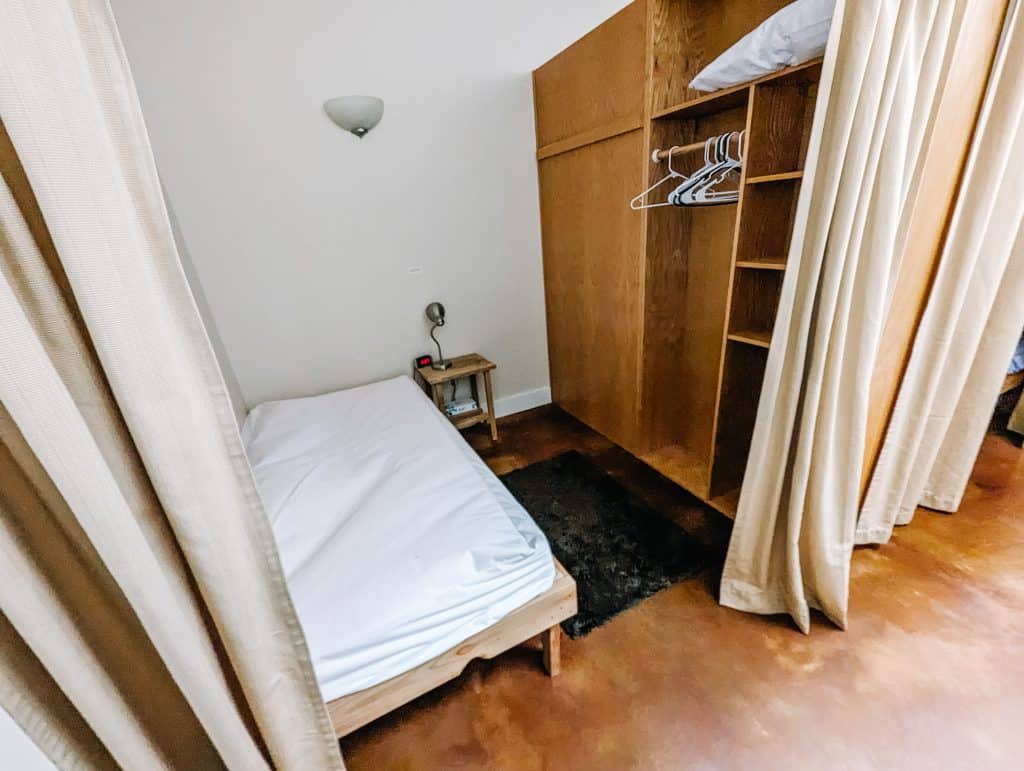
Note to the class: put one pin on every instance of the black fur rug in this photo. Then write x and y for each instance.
(619, 550)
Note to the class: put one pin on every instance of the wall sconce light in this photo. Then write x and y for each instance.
(357, 114)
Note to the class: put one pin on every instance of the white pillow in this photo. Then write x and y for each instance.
(793, 35)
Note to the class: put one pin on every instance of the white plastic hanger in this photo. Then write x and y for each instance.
(706, 194)
(712, 163)
(638, 201)
(703, 193)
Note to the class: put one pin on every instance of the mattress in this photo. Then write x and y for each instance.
(397, 542)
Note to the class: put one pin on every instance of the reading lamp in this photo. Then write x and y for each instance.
(435, 315)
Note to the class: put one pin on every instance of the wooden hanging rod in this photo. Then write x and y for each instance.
(660, 155)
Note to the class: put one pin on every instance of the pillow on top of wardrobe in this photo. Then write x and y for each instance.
(793, 35)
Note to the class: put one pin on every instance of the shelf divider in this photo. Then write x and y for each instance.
(761, 264)
(758, 337)
(784, 176)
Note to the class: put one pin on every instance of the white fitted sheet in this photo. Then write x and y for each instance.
(397, 542)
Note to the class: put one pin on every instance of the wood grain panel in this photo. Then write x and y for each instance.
(766, 223)
(755, 302)
(596, 82)
(741, 390)
(592, 281)
(782, 111)
(607, 131)
(686, 469)
(688, 34)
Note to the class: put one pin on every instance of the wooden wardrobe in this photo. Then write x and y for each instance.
(659, 321)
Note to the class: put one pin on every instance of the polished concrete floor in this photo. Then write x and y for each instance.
(930, 674)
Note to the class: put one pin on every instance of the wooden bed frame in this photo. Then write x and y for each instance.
(540, 616)
(1011, 381)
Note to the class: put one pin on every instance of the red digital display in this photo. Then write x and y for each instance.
(424, 361)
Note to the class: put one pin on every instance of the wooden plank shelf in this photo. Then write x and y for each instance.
(758, 337)
(761, 264)
(716, 101)
(734, 96)
(682, 466)
(727, 503)
(786, 176)
(467, 419)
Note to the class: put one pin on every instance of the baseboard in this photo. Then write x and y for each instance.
(522, 401)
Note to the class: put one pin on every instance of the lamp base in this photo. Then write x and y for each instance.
(442, 365)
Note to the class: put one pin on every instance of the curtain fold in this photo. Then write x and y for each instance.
(884, 72)
(150, 624)
(970, 326)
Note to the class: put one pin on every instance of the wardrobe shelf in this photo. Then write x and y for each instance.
(734, 96)
(467, 419)
(761, 264)
(717, 101)
(682, 466)
(703, 283)
(758, 337)
(727, 504)
(785, 176)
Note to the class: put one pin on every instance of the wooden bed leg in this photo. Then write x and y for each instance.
(551, 639)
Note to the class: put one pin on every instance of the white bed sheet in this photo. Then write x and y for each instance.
(398, 543)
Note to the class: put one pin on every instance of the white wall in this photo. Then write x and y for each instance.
(318, 252)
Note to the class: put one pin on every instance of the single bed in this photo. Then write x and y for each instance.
(404, 555)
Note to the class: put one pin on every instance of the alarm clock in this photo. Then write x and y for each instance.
(423, 361)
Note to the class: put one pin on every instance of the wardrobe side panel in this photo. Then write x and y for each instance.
(593, 266)
(596, 82)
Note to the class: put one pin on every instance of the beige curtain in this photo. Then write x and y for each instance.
(144, 619)
(971, 323)
(884, 72)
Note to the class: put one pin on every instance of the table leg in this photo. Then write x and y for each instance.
(490, 406)
(551, 640)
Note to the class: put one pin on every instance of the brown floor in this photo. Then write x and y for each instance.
(930, 674)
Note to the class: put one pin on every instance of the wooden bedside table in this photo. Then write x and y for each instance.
(472, 365)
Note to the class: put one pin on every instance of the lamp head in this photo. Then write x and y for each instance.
(356, 114)
(435, 313)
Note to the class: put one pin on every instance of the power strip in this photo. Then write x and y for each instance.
(460, 407)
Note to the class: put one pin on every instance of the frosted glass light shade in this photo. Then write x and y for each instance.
(357, 114)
